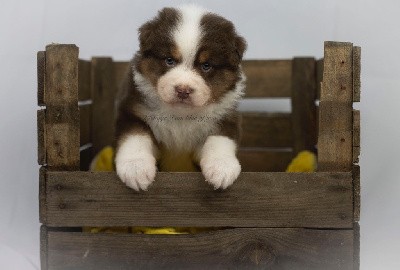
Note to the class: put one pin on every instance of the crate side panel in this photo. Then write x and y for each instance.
(264, 159)
(267, 78)
(244, 248)
(266, 129)
(319, 200)
(304, 110)
(62, 113)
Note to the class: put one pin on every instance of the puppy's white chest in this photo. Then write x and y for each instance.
(181, 133)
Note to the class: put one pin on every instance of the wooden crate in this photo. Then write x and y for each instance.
(268, 219)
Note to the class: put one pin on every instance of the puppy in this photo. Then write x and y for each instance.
(177, 108)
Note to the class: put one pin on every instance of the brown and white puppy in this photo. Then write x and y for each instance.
(178, 103)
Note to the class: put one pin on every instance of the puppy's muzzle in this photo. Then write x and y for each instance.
(183, 91)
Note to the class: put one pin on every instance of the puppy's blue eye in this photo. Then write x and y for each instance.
(206, 66)
(170, 61)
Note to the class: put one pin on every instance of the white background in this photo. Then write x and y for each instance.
(273, 29)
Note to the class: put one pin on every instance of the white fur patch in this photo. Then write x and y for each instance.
(135, 161)
(183, 128)
(183, 76)
(188, 33)
(218, 161)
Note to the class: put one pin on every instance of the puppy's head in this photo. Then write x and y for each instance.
(190, 57)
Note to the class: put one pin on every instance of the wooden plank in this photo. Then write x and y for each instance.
(86, 158)
(304, 110)
(121, 68)
(264, 159)
(335, 113)
(85, 113)
(41, 115)
(104, 89)
(240, 248)
(268, 78)
(62, 114)
(356, 136)
(266, 129)
(84, 80)
(315, 200)
(320, 73)
(44, 251)
(42, 195)
(356, 193)
(41, 68)
(356, 74)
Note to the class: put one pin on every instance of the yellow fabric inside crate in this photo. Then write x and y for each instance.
(305, 161)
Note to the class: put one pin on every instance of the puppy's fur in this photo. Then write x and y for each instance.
(177, 107)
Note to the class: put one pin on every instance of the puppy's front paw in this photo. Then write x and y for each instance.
(137, 173)
(220, 172)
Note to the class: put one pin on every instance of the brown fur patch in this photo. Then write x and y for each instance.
(223, 49)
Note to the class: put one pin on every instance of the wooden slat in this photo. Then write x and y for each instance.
(320, 72)
(41, 115)
(121, 68)
(85, 80)
(268, 78)
(304, 110)
(86, 156)
(104, 89)
(318, 200)
(356, 74)
(356, 193)
(266, 129)
(41, 68)
(241, 248)
(264, 159)
(335, 109)
(356, 136)
(42, 195)
(62, 114)
(85, 113)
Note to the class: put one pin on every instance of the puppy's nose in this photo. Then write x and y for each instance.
(183, 91)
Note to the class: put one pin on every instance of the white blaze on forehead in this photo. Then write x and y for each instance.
(188, 33)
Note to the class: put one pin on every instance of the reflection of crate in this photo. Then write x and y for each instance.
(271, 219)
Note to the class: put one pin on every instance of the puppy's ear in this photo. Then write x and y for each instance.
(241, 46)
(153, 31)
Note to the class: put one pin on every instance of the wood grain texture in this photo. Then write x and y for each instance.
(356, 74)
(267, 78)
(62, 114)
(42, 195)
(85, 114)
(264, 159)
(356, 193)
(241, 248)
(104, 89)
(41, 115)
(304, 111)
(41, 69)
(335, 109)
(84, 80)
(266, 129)
(318, 200)
(356, 136)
